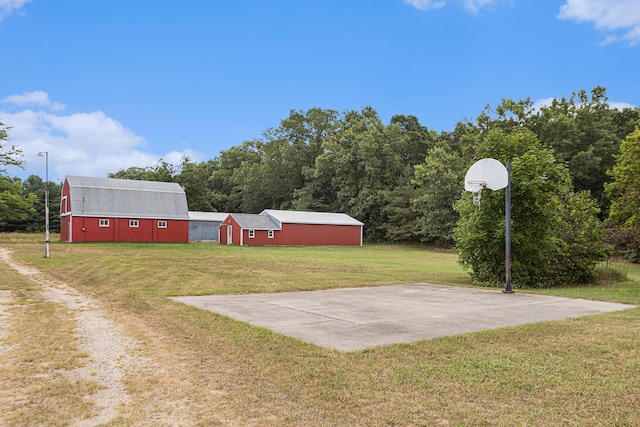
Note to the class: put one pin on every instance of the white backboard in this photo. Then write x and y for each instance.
(489, 171)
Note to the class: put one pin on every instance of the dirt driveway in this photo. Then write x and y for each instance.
(109, 350)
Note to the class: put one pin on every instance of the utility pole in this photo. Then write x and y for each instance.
(46, 202)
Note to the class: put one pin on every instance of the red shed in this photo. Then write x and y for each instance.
(122, 210)
(291, 228)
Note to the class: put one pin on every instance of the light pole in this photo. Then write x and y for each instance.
(46, 201)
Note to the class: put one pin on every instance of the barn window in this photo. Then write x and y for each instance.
(252, 234)
(271, 234)
(134, 223)
(162, 224)
(104, 223)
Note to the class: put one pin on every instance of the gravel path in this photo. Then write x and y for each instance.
(109, 350)
(6, 300)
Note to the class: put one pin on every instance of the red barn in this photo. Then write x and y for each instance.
(122, 210)
(291, 228)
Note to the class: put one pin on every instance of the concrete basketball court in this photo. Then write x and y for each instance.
(359, 318)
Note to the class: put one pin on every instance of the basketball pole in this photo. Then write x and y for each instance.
(508, 289)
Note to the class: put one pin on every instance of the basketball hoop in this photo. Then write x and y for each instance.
(485, 173)
(476, 187)
(490, 173)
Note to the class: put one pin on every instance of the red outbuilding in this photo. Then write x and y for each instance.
(291, 228)
(122, 210)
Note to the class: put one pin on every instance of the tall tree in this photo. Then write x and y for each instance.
(624, 193)
(335, 177)
(306, 132)
(286, 157)
(227, 180)
(194, 178)
(583, 134)
(162, 171)
(10, 155)
(582, 238)
(410, 149)
(35, 221)
(270, 182)
(13, 204)
(624, 189)
(550, 225)
(364, 158)
(417, 139)
(401, 217)
(439, 185)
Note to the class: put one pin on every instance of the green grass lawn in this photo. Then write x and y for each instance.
(581, 371)
(625, 291)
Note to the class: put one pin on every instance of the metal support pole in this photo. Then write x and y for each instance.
(507, 241)
(46, 202)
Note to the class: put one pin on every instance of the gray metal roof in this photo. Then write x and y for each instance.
(255, 222)
(207, 216)
(127, 198)
(300, 217)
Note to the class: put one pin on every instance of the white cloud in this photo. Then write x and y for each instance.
(472, 6)
(36, 98)
(621, 105)
(175, 157)
(85, 144)
(543, 102)
(426, 4)
(620, 17)
(8, 7)
(546, 102)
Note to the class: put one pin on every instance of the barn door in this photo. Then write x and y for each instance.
(229, 235)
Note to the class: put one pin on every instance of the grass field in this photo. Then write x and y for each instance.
(204, 369)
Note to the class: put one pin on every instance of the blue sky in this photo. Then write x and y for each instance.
(108, 85)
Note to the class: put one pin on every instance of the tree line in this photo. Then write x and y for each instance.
(403, 180)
